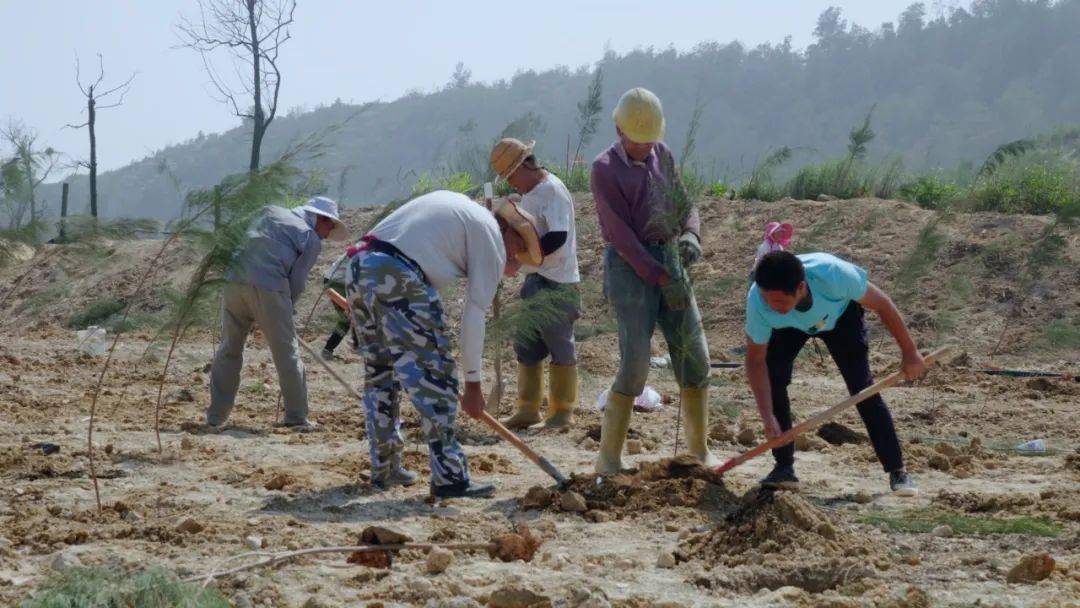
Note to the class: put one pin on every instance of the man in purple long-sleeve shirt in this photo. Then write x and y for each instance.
(653, 233)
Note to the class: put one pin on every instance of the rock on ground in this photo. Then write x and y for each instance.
(1031, 569)
(438, 560)
(517, 597)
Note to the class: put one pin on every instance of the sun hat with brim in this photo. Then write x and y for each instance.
(524, 224)
(320, 205)
(508, 154)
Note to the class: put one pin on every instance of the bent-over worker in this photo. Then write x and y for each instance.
(425, 245)
(796, 297)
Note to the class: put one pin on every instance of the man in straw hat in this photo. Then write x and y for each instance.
(544, 196)
(425, 245)
(653, 234)
(266, 278)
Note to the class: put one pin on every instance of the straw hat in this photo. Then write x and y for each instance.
(508, 154)
(525, 225)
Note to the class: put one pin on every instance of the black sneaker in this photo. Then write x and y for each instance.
(782, 477)
(901, 483)
(464, 490)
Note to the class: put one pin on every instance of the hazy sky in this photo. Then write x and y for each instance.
(353, 50)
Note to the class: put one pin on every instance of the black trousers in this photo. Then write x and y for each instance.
(848, 346)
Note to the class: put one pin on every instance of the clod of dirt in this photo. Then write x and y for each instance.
(371, 559)
(189, 525)
(573, 502)
(519, 545)
(1031, 569)
(65, 561)
(862, 497)
(538, 497)
(746, 436)
(721, 433)
(666, 559)
(375, 535)
(839, 434)
(1072, 462)
(278, 482)
(46, 448)
(633, 446)
(517, 597)
(942, 531)
(808, 443)
(186, 443)
(939, 461)
(438, 560)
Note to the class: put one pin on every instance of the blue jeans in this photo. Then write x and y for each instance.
(639, 307)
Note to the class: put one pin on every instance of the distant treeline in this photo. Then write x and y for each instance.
(944, 92)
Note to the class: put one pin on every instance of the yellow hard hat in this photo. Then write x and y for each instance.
(508, 154)
(640, 116)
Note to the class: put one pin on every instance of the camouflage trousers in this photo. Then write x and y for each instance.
(403, 339)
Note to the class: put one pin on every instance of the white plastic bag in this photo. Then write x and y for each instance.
(647, 401)
(1035, 446)
(92, 340)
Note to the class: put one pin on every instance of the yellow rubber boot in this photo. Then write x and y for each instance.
(695, 411)
(613, 433)
(530, 394)
(562, 396)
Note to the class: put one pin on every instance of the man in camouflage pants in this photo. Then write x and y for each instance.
(400, 321)
(393, 278)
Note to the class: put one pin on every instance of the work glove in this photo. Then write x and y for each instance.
(689, 249)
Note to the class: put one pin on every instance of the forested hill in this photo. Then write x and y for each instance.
(944, 91)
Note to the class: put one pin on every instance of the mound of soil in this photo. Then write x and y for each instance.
(656, 486)
(778, 539)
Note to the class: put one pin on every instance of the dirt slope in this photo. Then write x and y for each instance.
(668, 533)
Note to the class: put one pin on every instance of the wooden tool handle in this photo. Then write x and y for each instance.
(516, 441)
(337, 376)
(822, 417)
(338, 299)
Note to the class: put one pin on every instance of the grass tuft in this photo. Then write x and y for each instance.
(101, 588)
(925, 520)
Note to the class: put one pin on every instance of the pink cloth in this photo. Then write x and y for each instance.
(778, 234)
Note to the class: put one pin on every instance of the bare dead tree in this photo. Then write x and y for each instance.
(94, 97)
(251, 33)
(34, 166)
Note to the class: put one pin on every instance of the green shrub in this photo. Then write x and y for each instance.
(1062, 334)
(719, 190)
(929, 192)
(455, 182)
(1027, 188)
(925, 520)
(100, 588)
(96, 313)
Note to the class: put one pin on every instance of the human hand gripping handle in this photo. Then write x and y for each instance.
(473, 399)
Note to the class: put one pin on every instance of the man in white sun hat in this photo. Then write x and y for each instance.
(267, 275)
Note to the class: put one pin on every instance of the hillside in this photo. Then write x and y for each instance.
(945, 91)
(958, 277)
(669, 534)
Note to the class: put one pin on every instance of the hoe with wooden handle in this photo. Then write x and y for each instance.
(544, 464)
(820, 418)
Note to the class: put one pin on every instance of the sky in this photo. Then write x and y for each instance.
(354, 50)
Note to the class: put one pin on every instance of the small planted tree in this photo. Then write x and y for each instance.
(29, 168)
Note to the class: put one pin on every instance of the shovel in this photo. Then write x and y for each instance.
(821, 418)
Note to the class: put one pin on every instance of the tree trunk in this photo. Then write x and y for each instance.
(259, 119)
(217, 207)
(63, 211)
(93, 154)
(28, 167)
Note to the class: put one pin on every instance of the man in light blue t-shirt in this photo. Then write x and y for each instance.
(794, 298)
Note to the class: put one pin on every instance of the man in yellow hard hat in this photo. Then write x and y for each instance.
(544, 196)
(653, 234)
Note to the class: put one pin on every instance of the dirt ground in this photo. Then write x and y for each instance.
(670, 534)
